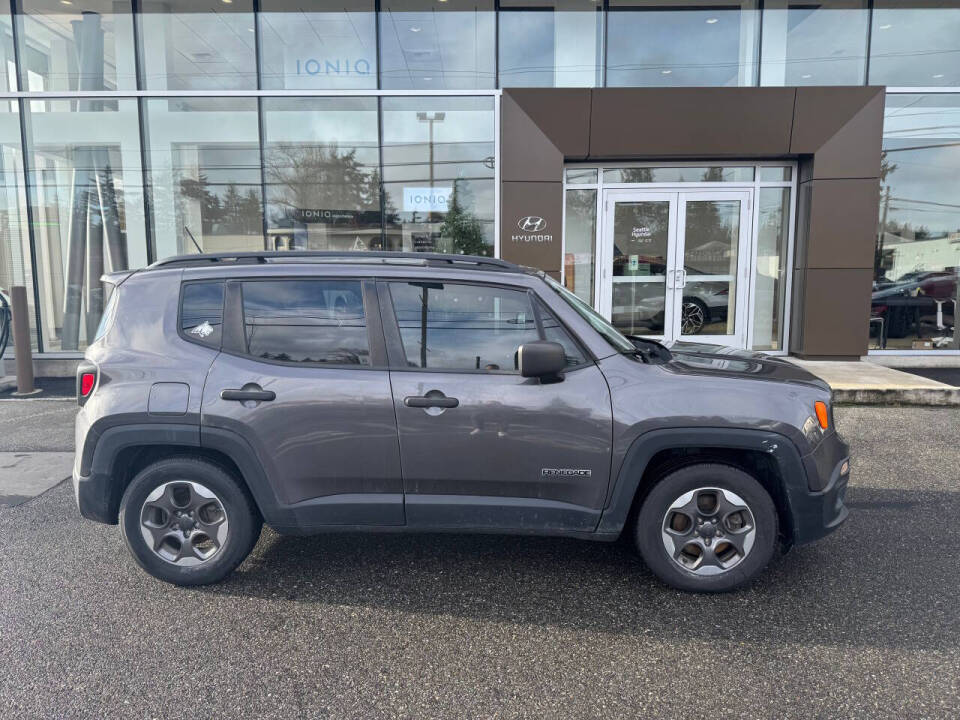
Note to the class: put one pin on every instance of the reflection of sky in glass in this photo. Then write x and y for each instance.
(688, 47)
(914, 46)
(922, 139)
(306, 45)
(546, 48)
(425, 46)
(824, 44)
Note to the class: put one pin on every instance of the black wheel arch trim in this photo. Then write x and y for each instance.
(803, 509)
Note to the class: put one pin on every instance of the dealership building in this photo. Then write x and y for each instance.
(769, 175)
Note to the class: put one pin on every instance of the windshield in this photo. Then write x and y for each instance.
(597, 321)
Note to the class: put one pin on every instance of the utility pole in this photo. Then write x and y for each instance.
(430, 119)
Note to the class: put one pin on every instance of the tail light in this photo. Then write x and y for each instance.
(87, 376)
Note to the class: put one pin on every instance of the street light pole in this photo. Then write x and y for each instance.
(430, 119)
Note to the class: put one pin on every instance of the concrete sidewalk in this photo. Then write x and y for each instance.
(24, 475)
(866, 383)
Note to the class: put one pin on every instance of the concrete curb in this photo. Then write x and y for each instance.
(949, 397)
(866, 383)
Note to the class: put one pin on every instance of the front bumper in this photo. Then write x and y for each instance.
(821, 509)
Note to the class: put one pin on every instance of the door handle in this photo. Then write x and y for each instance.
(255, 394)
(430, 401)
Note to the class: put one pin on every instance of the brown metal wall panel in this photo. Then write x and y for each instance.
(836, 312)
(539, 247)
(691, 122)
(835, 133)
(563, 114)
(526, 153)
(842, 228)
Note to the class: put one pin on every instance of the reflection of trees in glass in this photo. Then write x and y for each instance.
(236, 214)
(319, 176)
(461, 226)
(636, 175)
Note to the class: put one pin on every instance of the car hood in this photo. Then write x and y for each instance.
(717, 360)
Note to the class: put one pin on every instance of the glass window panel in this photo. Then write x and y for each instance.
(201, 312)
(426, 45)
(322, 171)
(197, 45)
(550, 43)
(775, 174)
(819, 43)
(915, 43)
(15, 266)
(438, 160)
(698, 43)
(583, 176)
(79, 45)
(87, 202)
(468, 327)
(678, 174)
(770, 273)
(8, 78)
(580, 238)
(553, 331)
(917, 261)
(204, 177)
(306, 321)
(317, 44)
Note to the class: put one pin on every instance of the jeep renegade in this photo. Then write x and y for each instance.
(421, 392)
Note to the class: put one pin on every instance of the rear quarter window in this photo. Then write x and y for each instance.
(201, 313)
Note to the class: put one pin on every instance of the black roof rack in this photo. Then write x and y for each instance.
(475, 262)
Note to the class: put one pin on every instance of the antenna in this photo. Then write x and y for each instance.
(196, 244)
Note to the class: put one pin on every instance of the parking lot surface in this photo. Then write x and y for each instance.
(863, 624)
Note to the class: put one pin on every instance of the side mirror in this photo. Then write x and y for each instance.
(541, 359)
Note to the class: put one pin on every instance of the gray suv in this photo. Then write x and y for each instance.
(323, 392)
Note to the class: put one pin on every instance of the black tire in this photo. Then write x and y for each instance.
(241, 533)
(649, 534)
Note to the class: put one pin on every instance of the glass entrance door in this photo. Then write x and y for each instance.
(674, 264)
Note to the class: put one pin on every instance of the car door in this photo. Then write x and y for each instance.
(303, 379)
(480, 445)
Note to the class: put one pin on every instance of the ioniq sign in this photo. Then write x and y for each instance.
(532, 227)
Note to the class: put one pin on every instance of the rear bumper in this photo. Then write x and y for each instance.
(95, 497)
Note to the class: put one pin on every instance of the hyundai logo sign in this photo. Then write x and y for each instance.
(532, 223)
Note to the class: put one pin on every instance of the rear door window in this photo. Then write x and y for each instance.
(306, 321)
(201, 312)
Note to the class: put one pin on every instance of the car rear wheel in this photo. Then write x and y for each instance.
(707, 528)
(187, 521)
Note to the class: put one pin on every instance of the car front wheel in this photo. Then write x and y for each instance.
(187, 521)
(707, 528)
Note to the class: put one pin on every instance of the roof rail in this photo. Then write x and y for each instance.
(383, 256)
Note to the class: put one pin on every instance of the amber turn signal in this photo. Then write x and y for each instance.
(822, 416)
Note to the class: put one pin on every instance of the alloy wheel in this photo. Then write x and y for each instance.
(692, 318)
(183, 523)
(708, 531)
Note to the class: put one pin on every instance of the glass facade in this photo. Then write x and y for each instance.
(135, 130)
(917, 261)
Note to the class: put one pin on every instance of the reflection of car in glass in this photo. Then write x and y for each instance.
(424, 392)
(703, 302)
(899, 301)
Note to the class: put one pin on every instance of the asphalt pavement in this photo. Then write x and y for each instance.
(863, 624)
